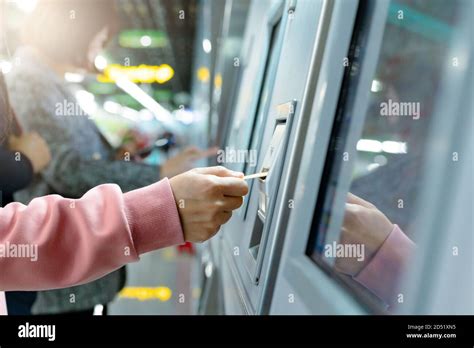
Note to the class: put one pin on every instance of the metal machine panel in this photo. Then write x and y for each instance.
(255, 254)
(311, 287)
(304, 286)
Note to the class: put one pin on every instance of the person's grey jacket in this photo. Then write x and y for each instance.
(81, 159)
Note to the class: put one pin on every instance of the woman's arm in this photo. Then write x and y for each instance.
(387, 250)
(56, 242)
(384, 272)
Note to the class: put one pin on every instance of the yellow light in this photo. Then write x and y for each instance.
(218, 81)
(113, 72)
(161, 293)
(137, 74)
(164, 73)
(203, 74)
(143, 74)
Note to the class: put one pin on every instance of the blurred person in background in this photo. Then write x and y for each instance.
(59, 36)
(211, 194)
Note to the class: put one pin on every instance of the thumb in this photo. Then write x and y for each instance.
(219, 171)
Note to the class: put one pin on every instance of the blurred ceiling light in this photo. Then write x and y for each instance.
(26, 5)
(112, 107)
(145, 115)
(372, 166)
(130, 114)
(145, 41)
(73, 77)
(84, 95)
(5, 66)
(159, 112)
(207, 45)
(100, 63)
(394, 147)
(116, 109)
(87, 101)
(377, 86)
(369, 145)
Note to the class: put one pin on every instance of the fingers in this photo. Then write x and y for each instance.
(223, 217)
(351, 211)
(230, 183)
(233, 187)
(353, 199)
(231, 203)
(219, 171)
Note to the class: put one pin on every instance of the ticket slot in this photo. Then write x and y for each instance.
(268, 185)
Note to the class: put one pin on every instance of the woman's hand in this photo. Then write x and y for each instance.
(363, 224)
(33, 146)
(205, 198)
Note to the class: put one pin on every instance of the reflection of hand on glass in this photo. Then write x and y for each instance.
(387, 249)
(365, 225)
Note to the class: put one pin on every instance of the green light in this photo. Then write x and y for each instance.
(101, 88)
(163, 95)
(143, 39)
(126, 100)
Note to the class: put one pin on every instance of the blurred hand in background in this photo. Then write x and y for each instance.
(185, 161)
(33, 146)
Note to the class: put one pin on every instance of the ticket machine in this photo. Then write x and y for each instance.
(315, 77)
(275, 129)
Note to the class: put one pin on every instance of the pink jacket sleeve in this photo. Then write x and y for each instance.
(56, 242)
(382, 275)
